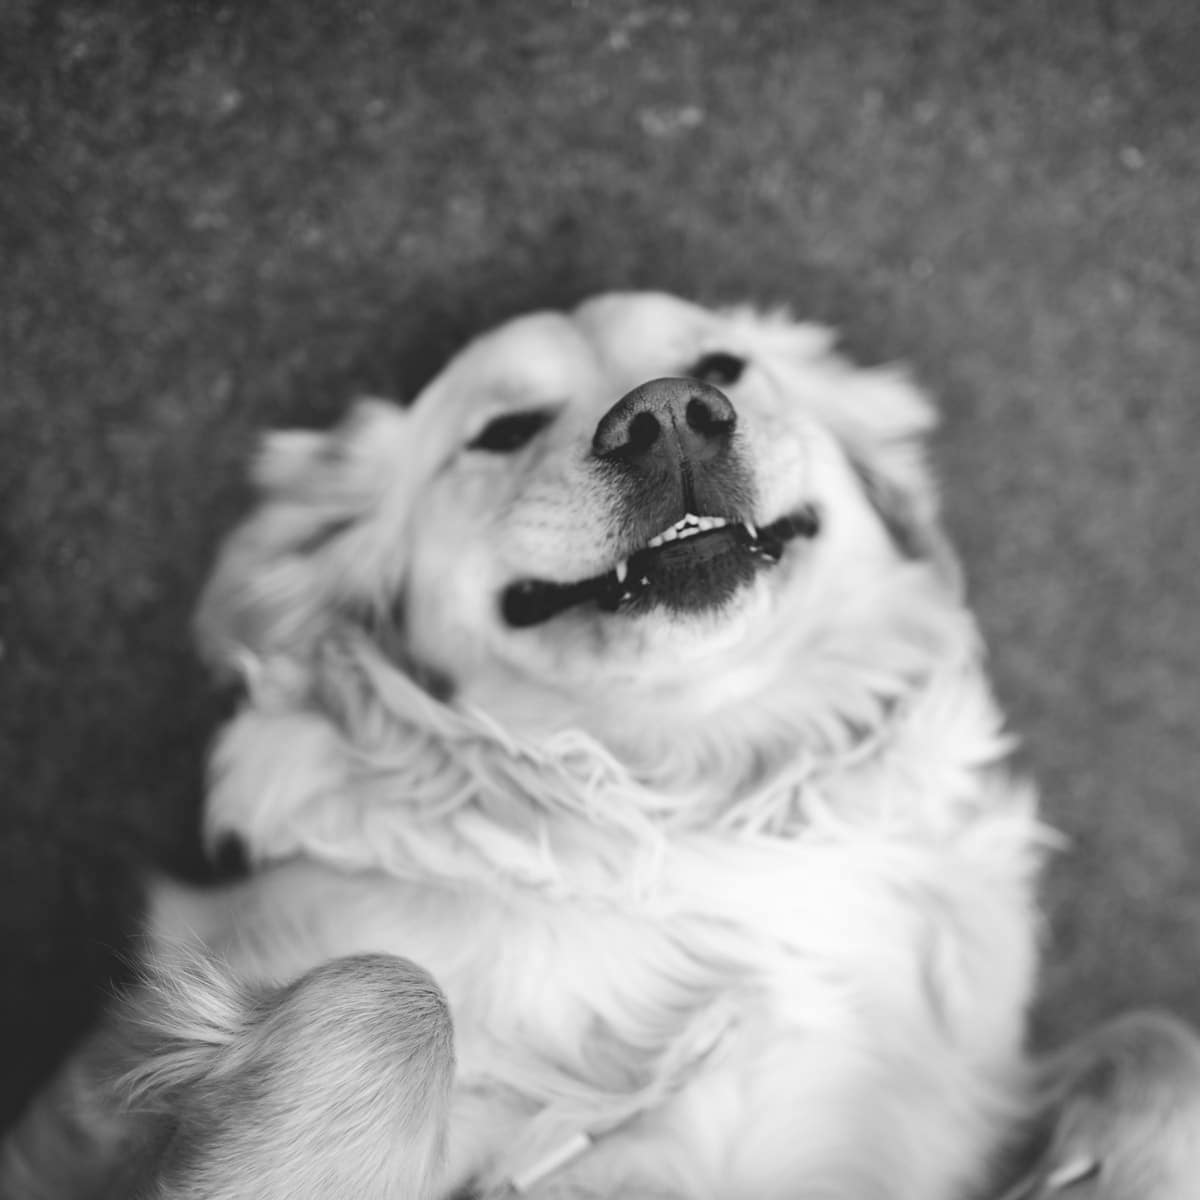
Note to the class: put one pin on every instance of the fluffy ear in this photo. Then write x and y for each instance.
(905, 497)
(884, 425)
(883, 421)
(297, 560)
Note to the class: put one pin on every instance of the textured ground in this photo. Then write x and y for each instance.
(215, 217)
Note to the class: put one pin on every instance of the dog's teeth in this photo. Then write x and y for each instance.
(751, 529)
(621, 570)
(687, 527)
(1074, 1171)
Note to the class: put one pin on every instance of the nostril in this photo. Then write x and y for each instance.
(665, 416)
(710, 419)
(643, 432)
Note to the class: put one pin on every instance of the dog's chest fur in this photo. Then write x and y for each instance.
(747, 1020)
(743, 998)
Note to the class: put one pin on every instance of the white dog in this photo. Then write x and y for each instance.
(624, 683)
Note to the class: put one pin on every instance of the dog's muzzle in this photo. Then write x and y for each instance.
(669, 454)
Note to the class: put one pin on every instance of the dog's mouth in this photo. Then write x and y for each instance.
(696, 565)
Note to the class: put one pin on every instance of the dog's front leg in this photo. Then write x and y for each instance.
(335, 1085)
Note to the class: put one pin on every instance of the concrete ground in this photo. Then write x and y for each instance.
(219, 216)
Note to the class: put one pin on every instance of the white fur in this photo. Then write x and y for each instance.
(746, 898)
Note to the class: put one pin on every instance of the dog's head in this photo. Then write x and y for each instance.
(640, 519)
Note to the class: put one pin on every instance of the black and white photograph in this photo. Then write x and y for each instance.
(599, 600)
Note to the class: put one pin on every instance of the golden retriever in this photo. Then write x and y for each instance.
(623, 682)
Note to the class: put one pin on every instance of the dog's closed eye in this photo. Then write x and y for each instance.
(719, 368)
(511, 431)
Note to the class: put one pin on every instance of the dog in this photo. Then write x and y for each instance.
(629, 811)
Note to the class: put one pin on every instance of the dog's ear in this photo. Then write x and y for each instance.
(912, 518)
(883, 422)
(303, 553)
(886, 444)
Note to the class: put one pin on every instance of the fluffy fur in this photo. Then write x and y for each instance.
(1122, 1106)
(728, 900)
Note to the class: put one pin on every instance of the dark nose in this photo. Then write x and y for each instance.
(683, 419)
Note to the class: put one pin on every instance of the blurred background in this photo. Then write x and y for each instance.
(220, 216)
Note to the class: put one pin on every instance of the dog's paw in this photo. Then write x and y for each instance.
(1122, 1116)
(335, 1084)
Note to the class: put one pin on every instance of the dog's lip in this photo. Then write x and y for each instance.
(529, 602)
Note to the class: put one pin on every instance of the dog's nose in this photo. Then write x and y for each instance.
(683, 418)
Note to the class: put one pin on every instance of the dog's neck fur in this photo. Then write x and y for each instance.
(347, 759)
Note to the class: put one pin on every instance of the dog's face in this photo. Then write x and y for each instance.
(640, 506)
